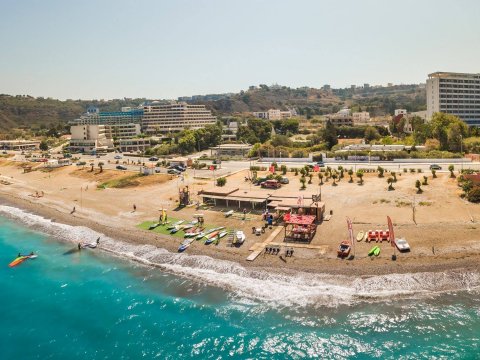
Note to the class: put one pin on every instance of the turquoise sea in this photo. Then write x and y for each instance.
(92, 305)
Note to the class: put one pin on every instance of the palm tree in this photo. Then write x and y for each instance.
(91, 167)
(394, 174)
(310, 178)
(303, 181)
(334, 176)
(451, 168)
(100, 165)
(380, 171)
(360, 176)
(418, 186)
(350, 173)
(434, 173)
(390, 181)
(320, 176)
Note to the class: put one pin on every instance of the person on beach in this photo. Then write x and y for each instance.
(134, 207)
(244, 213)
(98, 240)
(73, 210)
(79, 247)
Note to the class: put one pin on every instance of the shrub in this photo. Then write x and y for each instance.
(405, 170)
(425, 181)
(451, 168)
(418, 186)
(221, 181)
(474, 194)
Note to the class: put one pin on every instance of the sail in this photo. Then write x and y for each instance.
(350, 231)
(390, 231)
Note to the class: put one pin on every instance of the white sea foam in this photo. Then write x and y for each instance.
(254, 284)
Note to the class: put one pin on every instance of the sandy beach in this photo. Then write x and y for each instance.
(446, 235)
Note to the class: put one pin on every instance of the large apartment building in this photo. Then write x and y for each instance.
(175, 116)
(87, 138)
(454, 93)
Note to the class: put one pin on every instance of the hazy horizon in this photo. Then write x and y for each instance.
(163, 50)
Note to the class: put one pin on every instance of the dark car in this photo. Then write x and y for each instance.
(435, 167)
(320, 164)
(153, 158)
(174, 172)
(121, 167)
(180, 168)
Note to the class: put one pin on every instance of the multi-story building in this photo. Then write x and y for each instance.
(361, 117)
(86, 138)
(454, 93)
(175, 116)
(274, 114)
(123, 124)
(400, 111)
(343, 117)
(134, 145)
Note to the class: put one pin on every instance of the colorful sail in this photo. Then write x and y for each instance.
(390, 231)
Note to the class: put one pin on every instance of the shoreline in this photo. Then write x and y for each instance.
(358, 267)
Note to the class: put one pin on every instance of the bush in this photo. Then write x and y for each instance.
(221, 181)
(474, 194)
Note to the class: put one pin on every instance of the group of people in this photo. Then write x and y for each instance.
(268, 218)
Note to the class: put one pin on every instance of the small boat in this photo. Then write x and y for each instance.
(211, 237)
(200, 235)
(174, 225)
(92, 245)
(176, 229)
(344, 249)
(187, 227)
(377, 251)
(153, 226)
(20, 259)
(360, 235)
(229, 213)
(373, 250)
(184, 245)
(239, 237)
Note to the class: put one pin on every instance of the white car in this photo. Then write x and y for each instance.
(402, 245)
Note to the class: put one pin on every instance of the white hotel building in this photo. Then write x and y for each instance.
(175, 116)
(454, 93)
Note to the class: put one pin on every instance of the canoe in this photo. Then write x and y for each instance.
(153, 226)
(174, 225)
(372, 250)
(360, 236)
(222, 234)
(377, 251)
(184, 245)
(176, 229)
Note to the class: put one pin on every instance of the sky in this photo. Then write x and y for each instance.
(159, 49)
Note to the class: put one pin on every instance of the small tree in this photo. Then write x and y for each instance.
(100, 165)
(328, 171)
(303, 180)
(320, 176)
(303, 171)
(310, 178)
(434, 173)
(334, 176)
(44, 145)
(360, 176)
(451, 168)
(221, 181)
(394, 174)
(350, 173)
(418, 186)
(296, 172)
(380, 171)
(284, 169)
(91, 167)
(425, 181)
(390, 184)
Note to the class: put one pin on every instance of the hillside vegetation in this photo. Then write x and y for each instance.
(26, 111)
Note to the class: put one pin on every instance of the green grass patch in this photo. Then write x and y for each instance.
(162, 229)
(123, 182)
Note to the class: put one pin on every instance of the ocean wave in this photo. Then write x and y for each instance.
(251, 284)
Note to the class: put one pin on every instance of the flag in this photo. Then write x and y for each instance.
(212, 167)
(272, 169)
(316, 168)
(390, 230)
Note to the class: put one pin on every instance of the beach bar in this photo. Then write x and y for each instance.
(299, 228)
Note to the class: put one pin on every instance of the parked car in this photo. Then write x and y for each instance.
(284, 180)
(180, 168)
(320, 164)
(173, 172)
(435, 167)
(117, 157)
(217, 162)
(258, 181)
(153, 158)
(271, 184)
(81, 163)
(121, 167)
(402, 245)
